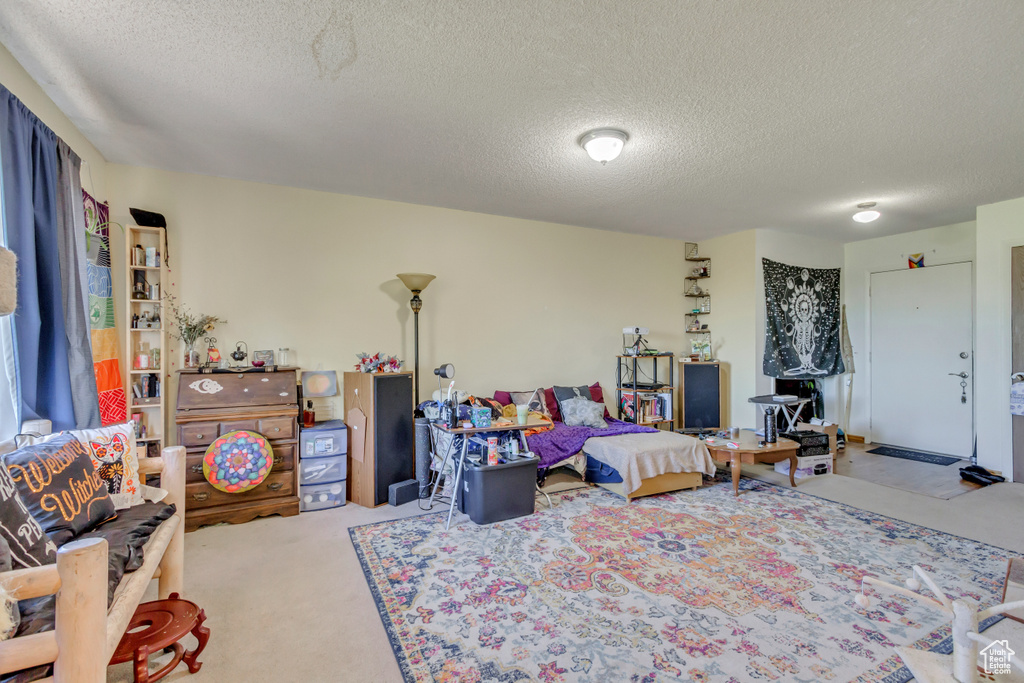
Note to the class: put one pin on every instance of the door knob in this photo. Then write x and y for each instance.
(961, 375)
(1017, 377)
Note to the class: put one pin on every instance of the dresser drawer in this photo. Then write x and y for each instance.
(284, 461)
(198, 434)
(277, 427)
(237, 425)
(202, 495)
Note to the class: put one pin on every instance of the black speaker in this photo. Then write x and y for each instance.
(700, 390)
(403, 492)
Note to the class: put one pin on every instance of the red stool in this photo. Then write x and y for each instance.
(157, 626)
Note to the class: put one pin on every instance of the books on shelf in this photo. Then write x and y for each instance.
(646, 406)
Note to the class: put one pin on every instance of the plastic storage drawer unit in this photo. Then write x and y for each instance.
(492, 493)
(324, 470)
(324, 438)
(321, 496)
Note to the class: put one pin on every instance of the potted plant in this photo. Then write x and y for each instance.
(189, 327)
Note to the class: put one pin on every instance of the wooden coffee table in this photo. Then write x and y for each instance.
(749, 452)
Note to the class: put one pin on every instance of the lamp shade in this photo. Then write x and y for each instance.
(8, 281)
(416, 282)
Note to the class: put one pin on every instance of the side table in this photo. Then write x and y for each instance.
(156, 626)
(749, 452)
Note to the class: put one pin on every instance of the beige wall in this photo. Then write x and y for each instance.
(732, 321)
(1000, 228)
(516, 304)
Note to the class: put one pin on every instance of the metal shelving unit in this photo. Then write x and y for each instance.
(627, 371)
(702, 304)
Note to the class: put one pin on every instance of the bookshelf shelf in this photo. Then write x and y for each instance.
(641, 397)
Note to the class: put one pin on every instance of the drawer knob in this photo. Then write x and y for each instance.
(199, 436)
(200, 496)
(198, 468)
(278, 459)
(277, 429)
(276, 486)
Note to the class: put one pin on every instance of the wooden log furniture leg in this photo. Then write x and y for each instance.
(82, 612)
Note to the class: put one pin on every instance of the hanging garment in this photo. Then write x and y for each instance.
(112, 400)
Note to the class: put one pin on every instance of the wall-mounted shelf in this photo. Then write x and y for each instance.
(700, 343)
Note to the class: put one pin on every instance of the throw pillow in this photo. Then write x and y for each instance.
(580, 411)
(535, 399)
(503, 398)
(564, 393)
(10, 617)
(115, 457)
(61, 487)
(597, 394)
(28, 543)
(552, 403)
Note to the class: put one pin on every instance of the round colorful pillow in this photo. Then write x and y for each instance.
(238, 461)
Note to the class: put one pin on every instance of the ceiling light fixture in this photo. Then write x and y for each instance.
(866, 213)
(604, 144)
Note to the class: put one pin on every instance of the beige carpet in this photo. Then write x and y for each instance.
(287, 601)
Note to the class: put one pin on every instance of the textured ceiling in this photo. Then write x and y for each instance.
(780, 114)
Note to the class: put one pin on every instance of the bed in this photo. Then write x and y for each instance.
(638, 461)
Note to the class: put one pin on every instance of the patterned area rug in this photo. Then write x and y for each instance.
(687, 586)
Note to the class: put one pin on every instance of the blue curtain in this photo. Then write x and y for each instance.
(28, 155)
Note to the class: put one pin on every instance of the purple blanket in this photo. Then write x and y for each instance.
(563, 441)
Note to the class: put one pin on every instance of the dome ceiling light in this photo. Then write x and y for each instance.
(604, 144)
(866, 213)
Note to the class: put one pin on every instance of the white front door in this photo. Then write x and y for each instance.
(922, 331)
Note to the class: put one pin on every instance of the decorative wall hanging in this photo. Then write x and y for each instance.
(319, 383)
(802, 319)
(238, 461)
(915, 261)
(105, 363)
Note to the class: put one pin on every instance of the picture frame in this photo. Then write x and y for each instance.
(266, 356)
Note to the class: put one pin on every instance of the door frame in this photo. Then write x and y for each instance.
(974, 324)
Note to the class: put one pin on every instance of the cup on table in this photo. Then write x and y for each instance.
(734, 432)
(521, 414)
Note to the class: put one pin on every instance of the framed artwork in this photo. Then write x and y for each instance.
(266, 356)
(319, 383)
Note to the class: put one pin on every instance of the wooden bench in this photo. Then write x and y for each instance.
(86, 631)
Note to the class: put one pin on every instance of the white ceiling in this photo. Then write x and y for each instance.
(780, 114)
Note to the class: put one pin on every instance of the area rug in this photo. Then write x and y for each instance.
(696, 585)
(919, 456)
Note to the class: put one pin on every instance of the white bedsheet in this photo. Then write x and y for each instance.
(641, 456)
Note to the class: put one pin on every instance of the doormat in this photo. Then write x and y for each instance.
(701, 586)
(907, 454)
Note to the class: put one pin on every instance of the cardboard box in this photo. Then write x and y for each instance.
(806, 465)
(831, 430)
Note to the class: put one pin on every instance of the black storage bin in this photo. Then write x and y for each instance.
(811, 442)
(493, 493)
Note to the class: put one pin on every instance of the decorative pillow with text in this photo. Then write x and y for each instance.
(60, 486)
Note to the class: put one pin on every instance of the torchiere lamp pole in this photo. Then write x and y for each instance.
(416, 282)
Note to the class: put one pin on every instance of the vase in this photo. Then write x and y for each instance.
(191, 356)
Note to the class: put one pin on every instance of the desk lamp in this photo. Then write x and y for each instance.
(416, 282)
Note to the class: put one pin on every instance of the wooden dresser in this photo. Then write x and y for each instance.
(210, 405)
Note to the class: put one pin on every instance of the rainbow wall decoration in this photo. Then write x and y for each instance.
(915, 261)
(113, 402)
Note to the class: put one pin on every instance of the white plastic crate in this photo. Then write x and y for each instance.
(321, 496)
(807, 465)
(323, 470)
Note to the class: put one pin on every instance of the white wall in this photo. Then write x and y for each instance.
(1000, 228)
(942, 245)
(517, 304)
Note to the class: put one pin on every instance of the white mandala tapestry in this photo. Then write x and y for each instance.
(802, 316)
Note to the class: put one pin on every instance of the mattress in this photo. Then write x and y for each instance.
(641, 456)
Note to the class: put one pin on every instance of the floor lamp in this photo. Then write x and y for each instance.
(416, 282)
